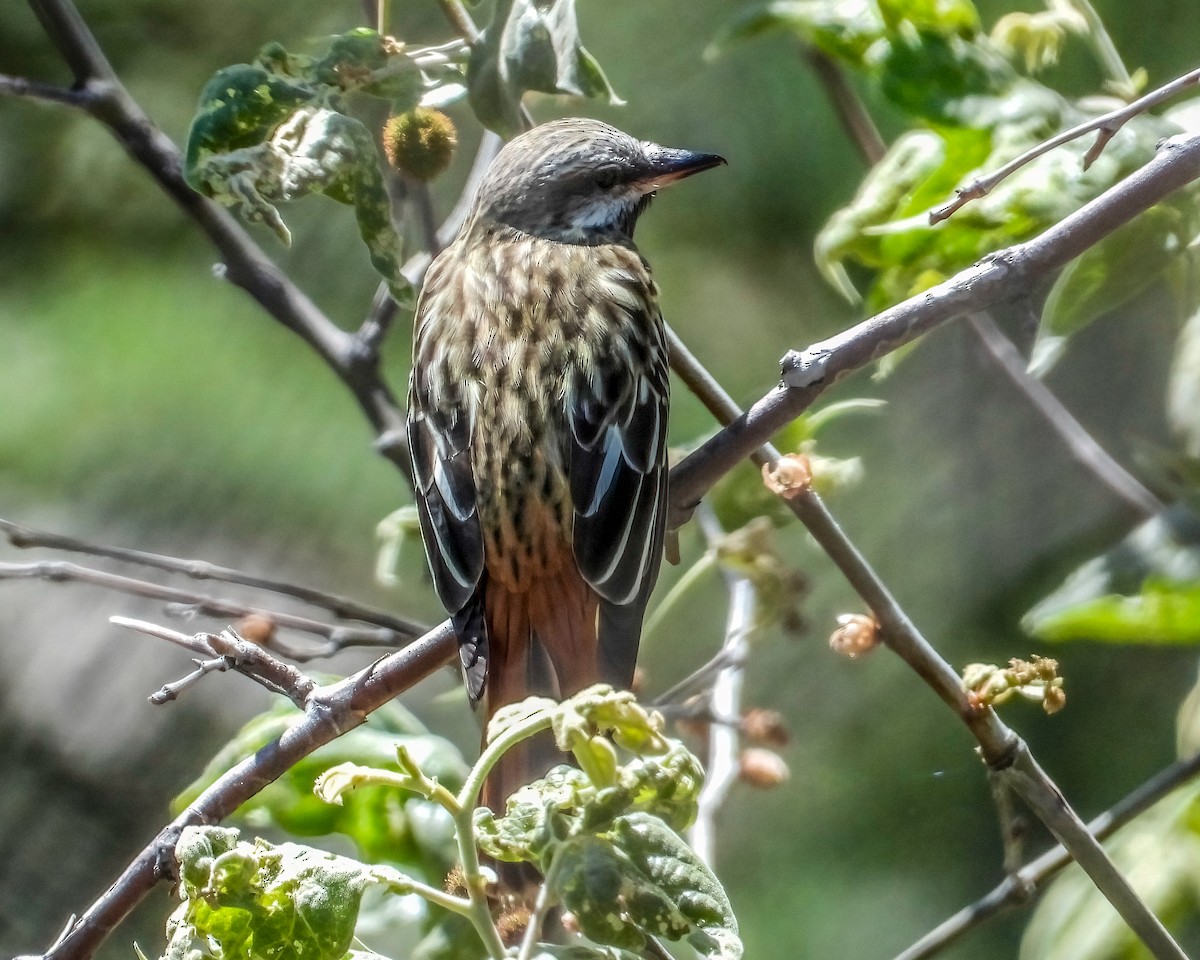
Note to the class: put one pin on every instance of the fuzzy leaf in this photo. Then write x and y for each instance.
(642, 879)
(250, 900)
(530, 45)
(275, 130)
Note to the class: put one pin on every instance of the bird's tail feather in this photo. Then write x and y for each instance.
(541, 642)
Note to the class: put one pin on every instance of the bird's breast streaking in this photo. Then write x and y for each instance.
(552, 327)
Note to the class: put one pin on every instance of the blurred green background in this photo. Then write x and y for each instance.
(144, 402)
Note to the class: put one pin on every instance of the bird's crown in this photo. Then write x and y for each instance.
(578, 180)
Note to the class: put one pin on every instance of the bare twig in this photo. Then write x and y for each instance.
(1000, 277)
(1107, 124)
(457, 14)
(1079, 442)
(338, 636)
(1032, 878)
(725, 700)
(329, 712)
(229, 651)
(343, 607)
(31, 89)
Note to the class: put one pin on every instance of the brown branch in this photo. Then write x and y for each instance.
(245, 264)
(1107, 124)
(228, 652)
(1026, 883)
(1006, 275)
(1009, 760)
(342, 607)
(32, 90)
(338, 636)
(329, 712)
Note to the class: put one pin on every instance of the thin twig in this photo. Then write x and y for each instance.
(1107, 124)
(1106, 51)
(343, 607)
(1032, 878)
(725, 700)
(338, 636)
(33, 90)
(234, 651)
(460, 20)
(330, 712)
(1079, 442)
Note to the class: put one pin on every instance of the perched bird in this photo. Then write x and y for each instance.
(537, 419)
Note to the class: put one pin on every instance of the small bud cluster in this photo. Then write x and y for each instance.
(1036, 679)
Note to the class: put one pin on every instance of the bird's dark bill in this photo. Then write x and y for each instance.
(668, 165)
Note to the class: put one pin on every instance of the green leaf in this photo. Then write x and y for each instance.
(385, 823)
(252, 900)
(1159, 853)
(276, 130)
(1145, 590)
(1120, 266)
(844, 29)
(530, 45)
(641, 879)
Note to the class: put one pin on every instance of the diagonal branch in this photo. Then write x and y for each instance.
(1008, 757)
(245, 264)
(329, 712)
(1004, 276)
(1032, 878)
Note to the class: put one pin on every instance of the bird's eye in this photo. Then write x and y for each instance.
(607, 177)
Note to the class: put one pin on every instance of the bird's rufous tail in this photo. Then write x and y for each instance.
(541, 642)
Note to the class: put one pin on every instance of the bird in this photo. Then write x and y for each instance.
(537, 420)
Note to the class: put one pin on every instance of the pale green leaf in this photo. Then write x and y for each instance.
(530, 45)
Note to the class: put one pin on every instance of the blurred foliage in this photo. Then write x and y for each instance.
(386, 827)
(136, 388)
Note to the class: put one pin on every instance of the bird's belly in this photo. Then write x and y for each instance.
(522, 491)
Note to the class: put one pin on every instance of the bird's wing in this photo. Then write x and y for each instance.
(616, 461)
(439, 431)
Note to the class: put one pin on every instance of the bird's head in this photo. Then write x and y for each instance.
(579, 181)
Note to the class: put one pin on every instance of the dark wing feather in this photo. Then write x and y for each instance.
(617, 465)
(439, 435)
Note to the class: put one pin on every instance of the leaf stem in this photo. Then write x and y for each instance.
(464, 826)
(403, 884)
